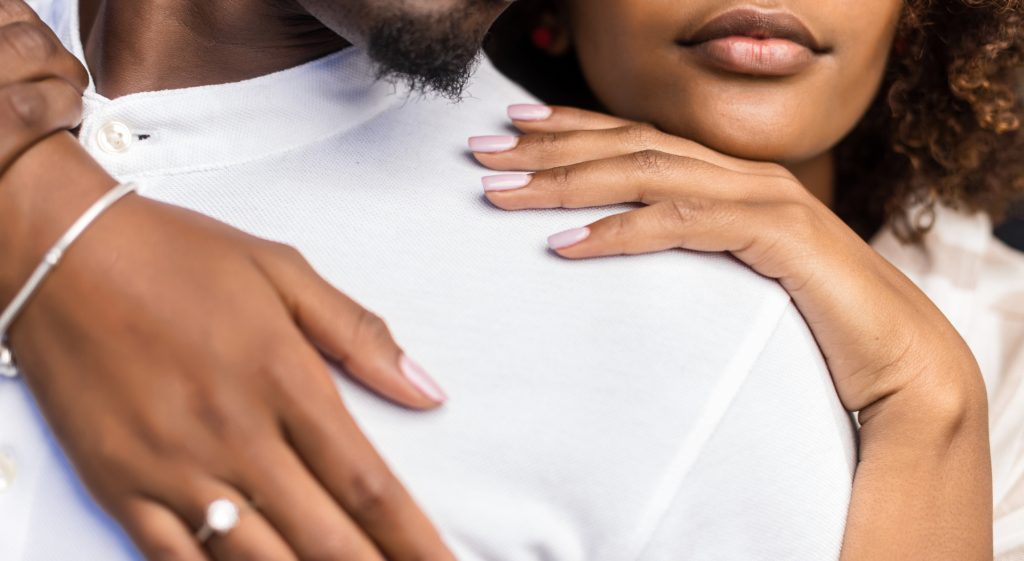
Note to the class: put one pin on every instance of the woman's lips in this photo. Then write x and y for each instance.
(756, 57)
(756, 43)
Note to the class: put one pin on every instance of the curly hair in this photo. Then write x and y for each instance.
(944, 128)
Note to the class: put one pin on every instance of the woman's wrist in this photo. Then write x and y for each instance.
(944, 400)
(40, 200)
(923, 483)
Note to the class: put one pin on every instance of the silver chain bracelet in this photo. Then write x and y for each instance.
(8, 367)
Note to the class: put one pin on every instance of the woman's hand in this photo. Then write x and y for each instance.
(179, 361)
(923, 486)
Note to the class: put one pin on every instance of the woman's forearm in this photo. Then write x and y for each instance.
(41, 194)
(923, 485)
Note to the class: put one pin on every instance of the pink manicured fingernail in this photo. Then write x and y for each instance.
(568, 238)
(491, 144)
(529, 112)
(506, 182)
(419, 378)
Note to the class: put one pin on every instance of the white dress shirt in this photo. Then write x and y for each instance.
(653, 408)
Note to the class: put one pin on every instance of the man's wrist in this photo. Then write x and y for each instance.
(41, 195)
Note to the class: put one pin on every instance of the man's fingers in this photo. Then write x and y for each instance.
(359, 340)
(334, 448)
(33, 110)
(695, 224)
(29, 51)
(529, 117)
(158, 533)
(16, 10)
(320, 529)
(545, 150)
(643, 177)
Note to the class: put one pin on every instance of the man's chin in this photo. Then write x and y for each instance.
(433, 52)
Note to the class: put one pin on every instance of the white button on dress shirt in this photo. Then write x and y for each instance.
(8, 470)
(114, 137)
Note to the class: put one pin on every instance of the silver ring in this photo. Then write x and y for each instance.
(222, 516)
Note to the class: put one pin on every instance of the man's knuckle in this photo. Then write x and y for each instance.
(15, 10)
(26, 41)
(71, 103)
(25, 106)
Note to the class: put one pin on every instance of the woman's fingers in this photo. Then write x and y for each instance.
(691, 223)
(642, 177)
(159, 533)
(253, 538)
(546, 150)
(355, 337)
(345, 462)
(278, 481)
(529, 117)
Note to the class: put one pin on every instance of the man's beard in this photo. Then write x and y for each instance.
(432, 54)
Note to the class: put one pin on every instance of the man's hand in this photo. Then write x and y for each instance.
(179, 361)
(41, 83)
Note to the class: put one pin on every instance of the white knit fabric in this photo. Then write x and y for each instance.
(670, 406)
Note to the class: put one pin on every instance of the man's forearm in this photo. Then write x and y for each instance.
(923, 485)
(41, 194)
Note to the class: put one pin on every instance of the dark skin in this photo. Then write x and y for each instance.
(158, 422)
(217, 42)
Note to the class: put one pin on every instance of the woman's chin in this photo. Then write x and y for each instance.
(763, 144)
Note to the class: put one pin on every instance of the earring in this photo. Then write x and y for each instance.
(900, 45)
(543, 37)
(551, 35)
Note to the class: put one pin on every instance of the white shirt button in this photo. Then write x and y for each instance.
(115, 137)
(8, 470)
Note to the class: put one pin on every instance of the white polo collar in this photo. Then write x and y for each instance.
(194, 129)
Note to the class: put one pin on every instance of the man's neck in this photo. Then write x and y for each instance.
(146, 45)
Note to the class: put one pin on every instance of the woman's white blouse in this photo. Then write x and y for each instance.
(978, 282)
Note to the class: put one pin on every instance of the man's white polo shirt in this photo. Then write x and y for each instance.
(660, 407)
